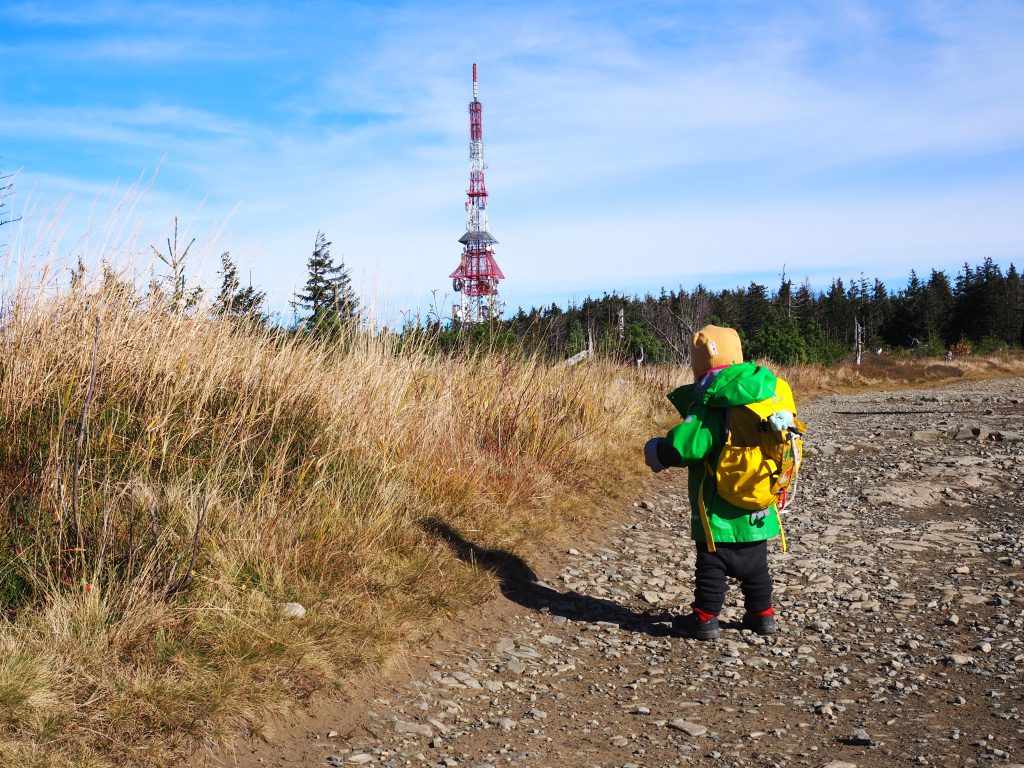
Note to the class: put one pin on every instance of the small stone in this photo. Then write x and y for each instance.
(550, 640)
(690, 729)
(959, 659)
(953, 620)
(984, 647)
(291, 610)
(860, 738)
(507, 723)
(413, 729)
(332, 734)
(620, 741)
(839, 764)
(515, 665)
(361, 758)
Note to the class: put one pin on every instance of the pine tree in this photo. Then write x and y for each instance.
(328, 301)
(1011, 330)
(778, 339)
(837, 314)
(233, 300)
(939, 307)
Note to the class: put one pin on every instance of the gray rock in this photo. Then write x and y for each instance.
(291, 610)
(413, 729)
(860, 738)
(690, 729)
(959, 659)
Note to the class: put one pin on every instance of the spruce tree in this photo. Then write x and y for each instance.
(1011, 316)
(233, 300)
(328, 301)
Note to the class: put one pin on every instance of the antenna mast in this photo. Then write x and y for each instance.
(477, 276)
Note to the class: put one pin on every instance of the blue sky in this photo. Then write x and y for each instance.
(630, 145)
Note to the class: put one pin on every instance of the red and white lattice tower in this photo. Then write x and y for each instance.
(478, 273)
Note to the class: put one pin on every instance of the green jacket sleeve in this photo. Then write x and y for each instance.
(692, 439)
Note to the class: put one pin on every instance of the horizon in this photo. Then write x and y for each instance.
(628, 149)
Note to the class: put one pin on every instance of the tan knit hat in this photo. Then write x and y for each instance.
(714, 346)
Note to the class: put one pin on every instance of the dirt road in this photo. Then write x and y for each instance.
(900, 607)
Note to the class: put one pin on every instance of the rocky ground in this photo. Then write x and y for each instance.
(900, 605)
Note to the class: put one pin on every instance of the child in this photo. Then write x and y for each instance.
(731, 541)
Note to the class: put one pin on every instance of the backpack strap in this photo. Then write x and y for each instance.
(782, 531)
(709, 471)
(709, 538)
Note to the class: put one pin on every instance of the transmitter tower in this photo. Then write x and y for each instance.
(477, 276)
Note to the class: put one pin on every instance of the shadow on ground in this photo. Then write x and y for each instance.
(519, 583)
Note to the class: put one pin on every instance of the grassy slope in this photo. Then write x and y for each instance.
(312, 470)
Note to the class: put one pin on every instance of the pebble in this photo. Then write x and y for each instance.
(414, 729)
(690, 729)
(860, 738)
(291, 610)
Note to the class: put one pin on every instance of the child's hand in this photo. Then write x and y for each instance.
(651, 454)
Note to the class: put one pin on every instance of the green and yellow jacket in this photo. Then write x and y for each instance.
(700, 438)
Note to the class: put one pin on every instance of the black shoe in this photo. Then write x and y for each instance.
(759, 625)
(693, 627)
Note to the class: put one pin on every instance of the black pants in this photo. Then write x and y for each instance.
(747, 563)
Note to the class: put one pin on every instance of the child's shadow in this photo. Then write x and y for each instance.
(518, 583)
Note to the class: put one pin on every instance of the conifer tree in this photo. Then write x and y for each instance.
(233, 300)
(328, 301)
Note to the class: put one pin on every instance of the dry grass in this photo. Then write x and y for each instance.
(877, 372)
(889, 372)
(307, 470)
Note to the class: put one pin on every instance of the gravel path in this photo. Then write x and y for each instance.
(900, 609)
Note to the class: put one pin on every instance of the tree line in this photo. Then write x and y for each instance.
(980, 309)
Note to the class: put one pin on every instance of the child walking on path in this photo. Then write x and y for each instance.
(740, 441)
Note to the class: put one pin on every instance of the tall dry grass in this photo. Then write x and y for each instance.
(895, 372)
(168, 479)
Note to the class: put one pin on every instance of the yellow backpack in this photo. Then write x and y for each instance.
(763, 450)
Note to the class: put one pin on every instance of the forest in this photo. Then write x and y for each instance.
(980, 309)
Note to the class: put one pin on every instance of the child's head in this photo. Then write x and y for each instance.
(714, 347)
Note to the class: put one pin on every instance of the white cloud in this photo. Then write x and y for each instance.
(601, 132)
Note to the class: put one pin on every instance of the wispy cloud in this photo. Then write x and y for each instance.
(627, 144)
